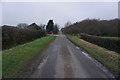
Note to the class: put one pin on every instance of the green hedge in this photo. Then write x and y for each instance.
(111, 44)
(12, 36)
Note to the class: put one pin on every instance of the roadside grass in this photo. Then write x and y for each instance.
(17, 58)
(108, 58)
(112, 37)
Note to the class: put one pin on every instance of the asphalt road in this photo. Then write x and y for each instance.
(65, 60)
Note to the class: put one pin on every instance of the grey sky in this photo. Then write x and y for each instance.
(61, 12)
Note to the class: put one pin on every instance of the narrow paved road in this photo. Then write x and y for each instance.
(65, 60)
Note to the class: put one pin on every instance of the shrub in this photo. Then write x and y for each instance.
(109, 43)
(12, 36)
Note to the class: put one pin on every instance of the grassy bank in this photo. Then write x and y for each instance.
(108, 43)
(107, 58)
(112, 37)
(17, 58)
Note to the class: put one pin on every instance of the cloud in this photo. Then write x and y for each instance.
(60, 12)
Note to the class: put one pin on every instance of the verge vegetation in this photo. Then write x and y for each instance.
(17, 58)
(108, 58)
(112, 37)
(13, 36)
(108, 43)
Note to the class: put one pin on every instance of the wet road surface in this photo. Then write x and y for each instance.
(65, 60)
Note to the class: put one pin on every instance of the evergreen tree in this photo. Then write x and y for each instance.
(50, 26)
(55, 30)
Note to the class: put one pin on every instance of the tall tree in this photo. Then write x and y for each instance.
(56, 29)
(50, 26)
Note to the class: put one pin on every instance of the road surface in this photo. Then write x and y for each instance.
(65, 60)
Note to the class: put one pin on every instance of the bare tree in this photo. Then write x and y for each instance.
(22, 25)
(68, 24)
(42, 26)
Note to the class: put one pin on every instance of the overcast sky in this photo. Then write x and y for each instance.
(61, 12)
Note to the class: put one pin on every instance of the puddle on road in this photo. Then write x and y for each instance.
(98, 64)
(42, 63)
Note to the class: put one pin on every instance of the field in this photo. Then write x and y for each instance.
(107, 58)
(17, 58)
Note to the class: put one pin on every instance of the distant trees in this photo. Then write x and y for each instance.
(56, 28)
(51, 27)
(42, 26)
(94, 27)
(37, 28)
(12, 36)
(22, 25)
(68, 24)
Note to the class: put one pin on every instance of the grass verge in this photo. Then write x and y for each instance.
(17, 58)
(107, 58)
(112, 37)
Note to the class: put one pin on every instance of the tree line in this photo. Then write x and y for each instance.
(94, 30)
(94, 27)
(12, 36)
(22, 33)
